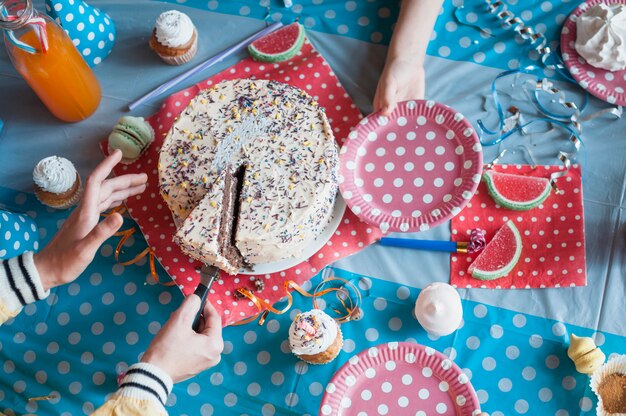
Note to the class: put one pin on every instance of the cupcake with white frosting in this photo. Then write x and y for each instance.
(438, 309)
(315, 337)
(601, 36)
(174, 38)
(57, 183)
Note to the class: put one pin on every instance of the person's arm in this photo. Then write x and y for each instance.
(403, 77)
(29, 277)
(175, 354)
(20, 285)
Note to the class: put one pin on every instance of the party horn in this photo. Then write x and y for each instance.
(476, 243)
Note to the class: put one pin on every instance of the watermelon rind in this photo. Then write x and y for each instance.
(514, 205)
(281, 56)
(496, 274)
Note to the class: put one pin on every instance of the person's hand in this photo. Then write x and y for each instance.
(179, 350)
(76, 243)
(402, 79)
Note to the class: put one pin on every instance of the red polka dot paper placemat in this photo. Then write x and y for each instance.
(553, 235)
(308, 71)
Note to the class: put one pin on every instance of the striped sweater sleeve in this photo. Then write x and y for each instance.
(143, 391)
(20, 285)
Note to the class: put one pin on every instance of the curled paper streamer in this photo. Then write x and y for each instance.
(570, 120)
(351, 307)
(41, 398)
(509, 21)
(125, 234)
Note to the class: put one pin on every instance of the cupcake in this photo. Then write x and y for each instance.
(174, 38)
(131, 135)
(315, 337)
(57, 184)
(609, 384)
(438, 309)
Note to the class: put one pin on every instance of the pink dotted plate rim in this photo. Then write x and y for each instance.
(422, 356)
(577, 65)
(454, 121)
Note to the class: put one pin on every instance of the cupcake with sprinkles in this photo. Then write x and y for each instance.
(315, 337)
(174, 38)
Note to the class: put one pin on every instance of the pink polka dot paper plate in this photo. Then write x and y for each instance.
(413, 170)
(399, 378)
(606, 85)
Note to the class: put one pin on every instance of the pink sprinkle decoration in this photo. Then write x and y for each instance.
(477, 241)
(307, 327)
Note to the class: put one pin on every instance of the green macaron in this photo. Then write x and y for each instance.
(132, 135)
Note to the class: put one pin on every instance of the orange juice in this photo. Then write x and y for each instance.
(60, 76)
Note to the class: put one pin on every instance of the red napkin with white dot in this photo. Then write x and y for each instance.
(308, 71)
(553, 235)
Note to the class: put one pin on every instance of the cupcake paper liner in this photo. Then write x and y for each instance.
(184, 58)
(70, 202)
(340, 335)
(614, 365)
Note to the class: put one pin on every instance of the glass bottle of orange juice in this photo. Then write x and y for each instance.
(45, 56)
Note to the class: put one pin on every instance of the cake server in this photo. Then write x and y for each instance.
(208, 274)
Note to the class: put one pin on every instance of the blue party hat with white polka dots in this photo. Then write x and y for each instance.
(91, 30)
(18, 233)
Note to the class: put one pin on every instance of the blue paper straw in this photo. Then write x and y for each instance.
(204, 65)
(431, 245)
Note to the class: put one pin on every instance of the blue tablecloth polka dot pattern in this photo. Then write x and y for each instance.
(18, 233)
(75, 342)
(92, 31)
(454, 37)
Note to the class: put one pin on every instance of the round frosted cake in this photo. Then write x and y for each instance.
(249, 171)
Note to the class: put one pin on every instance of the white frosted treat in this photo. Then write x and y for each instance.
(601, 36)
(55, 174)
(438, 309)
(278, 139)
(312, 332)
(174, 28)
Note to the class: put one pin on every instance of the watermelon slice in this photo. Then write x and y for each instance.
(280, 45)
(516, 192)
(499, 256)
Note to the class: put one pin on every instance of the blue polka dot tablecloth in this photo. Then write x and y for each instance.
(18, 233)
(456, 35)
(74, 343)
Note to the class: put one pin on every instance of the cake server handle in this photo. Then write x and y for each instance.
(208, 274)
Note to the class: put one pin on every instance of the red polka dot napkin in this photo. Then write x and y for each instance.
(553, 235)
(308, 71)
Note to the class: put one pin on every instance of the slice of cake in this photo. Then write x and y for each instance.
(207, 232)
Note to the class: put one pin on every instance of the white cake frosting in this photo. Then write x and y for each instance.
(438, 309)
(312, 332)
(601, 36)
(281, 137)
(174, 28)
(55, 174)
